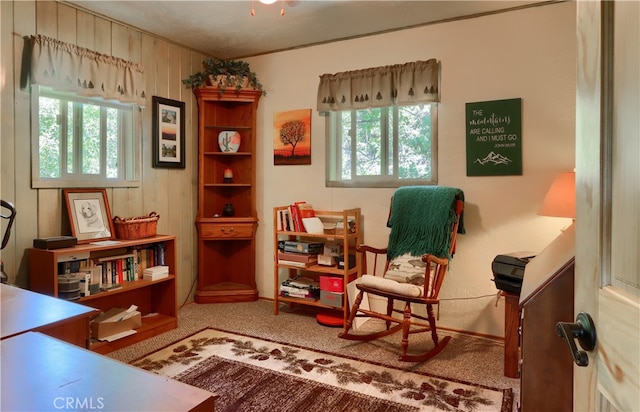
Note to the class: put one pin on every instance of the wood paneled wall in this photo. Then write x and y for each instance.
(169, 192)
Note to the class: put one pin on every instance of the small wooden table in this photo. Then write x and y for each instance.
(24, 310)
(511, 334)
(40, 373)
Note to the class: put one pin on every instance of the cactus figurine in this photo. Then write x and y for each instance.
(225, 142)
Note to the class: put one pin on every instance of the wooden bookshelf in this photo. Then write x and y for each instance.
(156, 300)
(348, 240)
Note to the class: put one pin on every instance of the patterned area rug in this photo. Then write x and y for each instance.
(252, 374)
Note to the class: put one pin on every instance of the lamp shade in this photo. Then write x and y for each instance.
(560, 200)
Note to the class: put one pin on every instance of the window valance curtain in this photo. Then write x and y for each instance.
(74, 69)
(409, 83)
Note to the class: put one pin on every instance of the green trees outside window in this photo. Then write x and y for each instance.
(387, 146)
(82, 140)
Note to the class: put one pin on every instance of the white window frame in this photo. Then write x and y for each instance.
(129, 153)
(334, 153)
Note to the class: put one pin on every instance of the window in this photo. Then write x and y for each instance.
(383, 147)
(82, 142)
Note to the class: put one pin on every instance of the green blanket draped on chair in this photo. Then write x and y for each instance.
(421, 220)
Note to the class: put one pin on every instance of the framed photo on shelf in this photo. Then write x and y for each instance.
(168, 133)
(89, 214)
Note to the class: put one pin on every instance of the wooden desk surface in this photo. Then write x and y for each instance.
(40, 373)
(24, 310)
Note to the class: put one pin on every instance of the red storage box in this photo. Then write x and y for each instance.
(333, 283)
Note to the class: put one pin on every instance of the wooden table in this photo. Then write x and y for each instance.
(24, 310)
(511, 334)
(40, 373)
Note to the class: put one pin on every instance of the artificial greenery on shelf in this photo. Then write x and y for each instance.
(224, 74)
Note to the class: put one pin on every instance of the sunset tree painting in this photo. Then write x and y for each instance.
(292, 137)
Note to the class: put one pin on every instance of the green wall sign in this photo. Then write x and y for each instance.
(494, 138)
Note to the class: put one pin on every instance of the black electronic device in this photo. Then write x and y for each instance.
(508, 270)
(56, 242)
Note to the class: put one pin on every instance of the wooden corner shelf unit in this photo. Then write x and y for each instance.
(226, 177)
(156, 300)
(347, 239)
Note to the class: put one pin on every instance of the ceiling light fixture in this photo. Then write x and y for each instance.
(267, 2)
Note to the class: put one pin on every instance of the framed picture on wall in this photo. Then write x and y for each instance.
(168, 133)
(292, 137)
(89, 214)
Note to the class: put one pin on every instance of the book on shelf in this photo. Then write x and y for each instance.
(297, 264)
(301, 282)
(313, 248)
(160, 254)
(296, 222)
(300, 288)
(297, 257)
(119, 268)
(305, 209)
(113, 286)
(283, 220)
(309, 295)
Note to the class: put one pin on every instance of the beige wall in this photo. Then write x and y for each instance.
(528, 54)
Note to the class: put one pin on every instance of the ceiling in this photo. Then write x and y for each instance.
(227, 29)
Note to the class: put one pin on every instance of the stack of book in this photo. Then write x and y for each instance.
(300, 260)
(298, 254)
(155, 273)
(300, 287)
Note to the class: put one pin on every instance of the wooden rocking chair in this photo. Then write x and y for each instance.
(415, 267)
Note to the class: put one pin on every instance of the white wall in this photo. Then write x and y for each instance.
(528, 54)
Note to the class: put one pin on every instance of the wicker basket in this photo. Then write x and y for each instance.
(136, 227)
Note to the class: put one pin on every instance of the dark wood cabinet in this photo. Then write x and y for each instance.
(226, 239)
(546, 375)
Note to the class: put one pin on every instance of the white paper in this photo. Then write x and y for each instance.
(313, 225)
(123, 315)
(352, 292)
(119, 335)
(106, 242)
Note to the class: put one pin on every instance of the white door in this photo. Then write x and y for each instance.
(607, 281)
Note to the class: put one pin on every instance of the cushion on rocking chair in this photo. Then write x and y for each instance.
(407, 269)
(389, 285)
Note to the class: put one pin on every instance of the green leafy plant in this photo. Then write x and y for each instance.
(224, 74)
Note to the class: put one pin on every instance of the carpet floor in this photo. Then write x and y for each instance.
(255, 375)
(466, 358)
